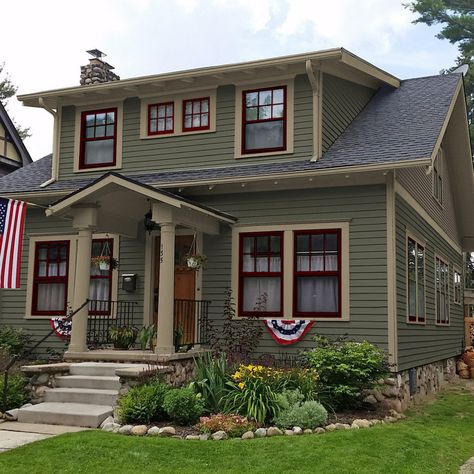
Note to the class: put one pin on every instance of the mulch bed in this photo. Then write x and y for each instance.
(349, 416)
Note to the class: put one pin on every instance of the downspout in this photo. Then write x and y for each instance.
(54, 160)
(316, 85)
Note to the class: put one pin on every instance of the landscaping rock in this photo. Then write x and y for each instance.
(331, 427)
(308, 431)
(139, 430)
(274, 431)
(297, 430)
(125, 429)
(260, 433)
(111, 427)
(203, 437)
(193, 437)
(342, 426)
(361, 423)
(153, 431)
(319, 431)
(248, 435)
(376, 422)
(289, 433)
(109, 419)
(219, 435)
(354, 427)
(167, 431)
(390, 419)
(11, 415)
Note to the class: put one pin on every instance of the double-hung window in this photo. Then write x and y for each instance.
(416, 281)
(98, 138)
(50, 280)
(442, 291)
(264, 120)
(161, 118)
(261, 274)
(196, 114)
(317, 273)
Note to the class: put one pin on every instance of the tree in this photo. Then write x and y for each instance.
(457, 20)
(8, 90)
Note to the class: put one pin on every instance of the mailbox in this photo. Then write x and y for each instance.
(129, 282)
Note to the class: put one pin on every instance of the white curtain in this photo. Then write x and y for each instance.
(256, 289)
(317, 294)
(51, 296)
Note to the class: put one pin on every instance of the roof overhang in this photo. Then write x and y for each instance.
(338, 62)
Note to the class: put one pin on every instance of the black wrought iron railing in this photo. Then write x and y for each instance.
(190, 323)
(106, 314)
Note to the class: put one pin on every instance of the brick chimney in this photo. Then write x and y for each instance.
(97, 71)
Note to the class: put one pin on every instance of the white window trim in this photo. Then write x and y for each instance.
(288, 251)
(413, 236)
(290, 103)
(72, 238)
(178, 99)
(118, 138)
(446, 262)
(457, 270)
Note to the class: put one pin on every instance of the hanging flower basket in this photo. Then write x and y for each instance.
(104, 262)
(195, 261)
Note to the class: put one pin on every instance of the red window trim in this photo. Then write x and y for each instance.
(245, 121)
(337, 273)
(194, 129)
(59, 279)
(243, 275)
(412, 318)
(83, 139)
(103, 277)
(163, 132)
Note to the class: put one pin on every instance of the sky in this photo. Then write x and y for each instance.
(44, 42)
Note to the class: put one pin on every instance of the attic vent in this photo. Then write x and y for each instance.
(97, 71)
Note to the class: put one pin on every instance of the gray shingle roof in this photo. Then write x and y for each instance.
(397, 125)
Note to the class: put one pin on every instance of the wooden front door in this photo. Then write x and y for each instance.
(184, 290)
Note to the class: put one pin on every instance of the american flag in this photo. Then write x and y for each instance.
(12, 220)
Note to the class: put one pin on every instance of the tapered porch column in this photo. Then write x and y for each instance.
(164, 341)
(84, 221)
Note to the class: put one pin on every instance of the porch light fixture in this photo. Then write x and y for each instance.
(148, 222)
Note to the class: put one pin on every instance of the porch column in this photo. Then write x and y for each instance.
(84, 222)
(164, 341)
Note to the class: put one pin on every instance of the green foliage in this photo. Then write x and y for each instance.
(296, 412)
(183, 405)
(13, 341)
(143, 403)
(145, 336)
(234, 425)
(123, 337)
(17, 392)
(347, 368)
(210, 381)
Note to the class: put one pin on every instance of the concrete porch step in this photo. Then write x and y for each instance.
(103, 368)
(88, 396)
(99, 382)
(72, 414)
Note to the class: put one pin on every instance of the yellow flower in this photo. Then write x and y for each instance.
(236, 376)
(241, 385)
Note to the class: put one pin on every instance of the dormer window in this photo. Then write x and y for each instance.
(264, 120)
(161, 118)
(98, 138)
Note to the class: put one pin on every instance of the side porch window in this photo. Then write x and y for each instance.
(416, 281)
(442, 291)
(100, 288)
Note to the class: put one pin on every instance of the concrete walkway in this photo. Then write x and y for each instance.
(14, 434)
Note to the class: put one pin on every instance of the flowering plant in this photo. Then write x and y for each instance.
(104, 259)
(234, 425)
(195, 260)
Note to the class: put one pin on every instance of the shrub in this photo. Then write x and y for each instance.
(210, 381)
(17, 392)
(234, 425)
(309, 414)
(143, 403)
(13, 341)
(346, 369)
(183, 405)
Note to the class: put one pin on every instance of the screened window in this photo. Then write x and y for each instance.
(98, 138)
(261, 274)
(161, 118)
(50, 280)
(457, 285)
(264, 120)
(416, 281)
(100, 286)
(442, 291)
(196, 114)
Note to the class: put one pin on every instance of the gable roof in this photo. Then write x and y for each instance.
(399, 127)
(12, 131)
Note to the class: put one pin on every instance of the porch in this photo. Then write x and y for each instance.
(166, 226)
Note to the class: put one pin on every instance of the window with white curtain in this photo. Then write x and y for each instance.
(416, 281)
(50, 279)
(317, 271)
(442, 291)
(100, 286)
(261, 277)
(457, 285)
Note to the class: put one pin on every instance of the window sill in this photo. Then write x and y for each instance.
(176, 134)
(239, 156)
(291, 318)
(443, 325)
(416, 323)
(31, 316)
(98, 168)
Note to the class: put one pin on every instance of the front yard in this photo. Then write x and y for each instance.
(436, 438)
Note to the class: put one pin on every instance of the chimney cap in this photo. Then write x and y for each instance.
(96, 53)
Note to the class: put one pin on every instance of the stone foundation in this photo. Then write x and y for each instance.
(394, 391)
(41, 377)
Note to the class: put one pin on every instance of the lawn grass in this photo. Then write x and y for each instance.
(437, 438)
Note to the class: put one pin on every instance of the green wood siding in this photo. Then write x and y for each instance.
(422, 344)
(365, 206)
(342, 102)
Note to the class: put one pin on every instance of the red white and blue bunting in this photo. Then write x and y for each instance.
(62, 328)
(287, 331)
